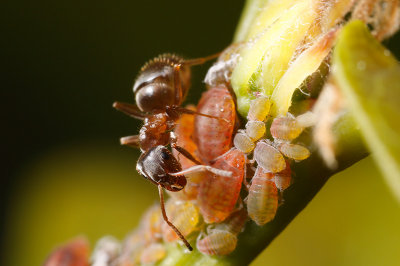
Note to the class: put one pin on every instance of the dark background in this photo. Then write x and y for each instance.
(65, 62)
(63, 65)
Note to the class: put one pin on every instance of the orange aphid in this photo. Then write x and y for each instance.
(262, 201)
(259, 109)
(214, 136)
(217, 242)
(219, 194)
(73, 253)
(184, 215)
(184, 132)
(153, 253)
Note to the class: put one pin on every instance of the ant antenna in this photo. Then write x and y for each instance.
(160, 191)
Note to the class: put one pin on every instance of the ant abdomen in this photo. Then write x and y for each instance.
(155, 87)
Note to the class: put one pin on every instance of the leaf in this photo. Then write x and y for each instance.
(369, 77)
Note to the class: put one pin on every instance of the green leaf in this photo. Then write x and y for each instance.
(369, 77)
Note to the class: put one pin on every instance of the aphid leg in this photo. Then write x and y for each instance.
(202, 168)
(131, 141)
(130, 109)
(185, 153)
(202, 60)
(161, 193)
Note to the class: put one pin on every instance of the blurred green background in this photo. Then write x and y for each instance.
(64, 173)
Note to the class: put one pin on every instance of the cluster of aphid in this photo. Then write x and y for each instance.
(204, 172)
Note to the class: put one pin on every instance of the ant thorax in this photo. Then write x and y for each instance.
(155, 86)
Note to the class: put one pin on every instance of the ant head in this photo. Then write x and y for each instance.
(157, 164)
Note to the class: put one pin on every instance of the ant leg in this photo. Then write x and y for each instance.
(130, 109)
(185, 153)
(180, 149)
(200, 61)
(132, 141)
(175, 110)
(164, 214)
(177, 84)
(202, 168)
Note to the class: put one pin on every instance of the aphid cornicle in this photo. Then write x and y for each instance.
(159, 90)
(262, 201)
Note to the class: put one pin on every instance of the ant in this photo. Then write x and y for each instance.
(159, 91)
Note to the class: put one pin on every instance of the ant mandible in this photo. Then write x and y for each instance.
(159, 91)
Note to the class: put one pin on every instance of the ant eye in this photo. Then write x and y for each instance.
(165, 155)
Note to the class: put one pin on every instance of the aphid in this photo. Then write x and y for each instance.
(283, 179)
(285, 128)
(132, 249)
(219, 194)
(234, 223)
(150, 224)
(217, 242)
(288, 127)
(74, 253)
(262, 201)
(255, 130)
(259, 109)
(214, 137)
(153, 253)
(159, 90)
(106, 251)
(294, 151)
(243, 142)
(268, 157)
(184, 215)
(184, 133)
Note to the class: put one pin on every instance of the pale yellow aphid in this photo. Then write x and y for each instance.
(255, 130)
(184, 215)
(234, 223)
(262, 201)
(243, 142)
(150, 224)
(294, 151)
(217, 242)
(283, 179)
(268, 157)
(285, 128)
(259, 109)
(153, 253)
